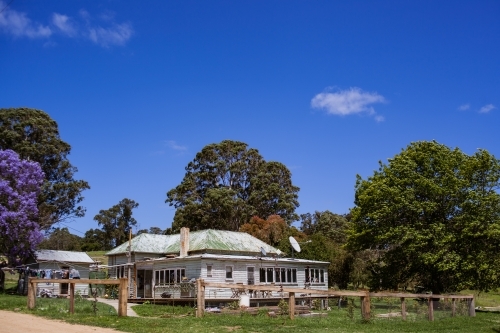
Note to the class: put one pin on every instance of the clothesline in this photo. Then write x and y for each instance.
(70, 265)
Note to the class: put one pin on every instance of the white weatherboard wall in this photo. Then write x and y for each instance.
(196, 267)
(191, 267)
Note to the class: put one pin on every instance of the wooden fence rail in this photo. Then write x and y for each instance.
(363, 295)
(122, 291)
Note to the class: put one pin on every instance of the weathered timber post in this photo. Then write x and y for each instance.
(472, 307)
(31, 294)
(453, 307)
(291, 305)
(203, 295)
(431, 309)
(403, 308)
(72, 298)
(122, 297)
(200, 298)
(365, 306)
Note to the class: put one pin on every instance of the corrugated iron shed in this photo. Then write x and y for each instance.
(210, 239)
(63, 256)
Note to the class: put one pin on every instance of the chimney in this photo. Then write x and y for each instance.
(184, 242)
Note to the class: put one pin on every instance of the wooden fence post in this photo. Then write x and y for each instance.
(453, 307)
(200, 298)
(291, 305)
(203, 295)
(365, 306)
(71, 298)
(431, 309)
(122, 297)
(403, 308)
(31, 294)
(472, 307)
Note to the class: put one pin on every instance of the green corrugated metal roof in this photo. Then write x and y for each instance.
(217, 240)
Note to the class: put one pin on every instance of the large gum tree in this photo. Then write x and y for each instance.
(226, 184)
(432, 216)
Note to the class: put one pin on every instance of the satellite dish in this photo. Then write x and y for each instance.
(294, 244)
(263, 252)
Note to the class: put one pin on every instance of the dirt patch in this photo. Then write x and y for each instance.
(20, 322)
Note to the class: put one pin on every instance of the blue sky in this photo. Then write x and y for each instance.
(328, 88)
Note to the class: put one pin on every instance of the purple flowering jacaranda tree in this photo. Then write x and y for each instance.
(20, 182)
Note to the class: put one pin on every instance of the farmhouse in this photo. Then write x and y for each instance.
(168, 265)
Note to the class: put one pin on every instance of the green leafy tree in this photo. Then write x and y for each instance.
(95, 240)
(328, 233)
(226, 184)
(117, 222)
(152, 230)
(272, 192)
(155, 231)
(61, 239)
(432, 216)
(35, 136)
(332, 226)
(321, 248)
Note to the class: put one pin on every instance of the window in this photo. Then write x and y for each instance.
(270, 275)
(169, 276)
(262, 275)
(250, 275)
(229, 272)
(209, 270)
(315, 275)
(278, 275)
(121, 271)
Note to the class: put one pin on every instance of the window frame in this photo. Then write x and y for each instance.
(168, 276)
(314, 275)
(230, 272)
(282, 275)
(121, 271)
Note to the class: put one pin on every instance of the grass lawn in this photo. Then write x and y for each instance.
(11, 281)
(491, 298)
(158, 318)
(99, 256)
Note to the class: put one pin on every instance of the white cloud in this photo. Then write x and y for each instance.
(487, 108)
(64, 24)
(464, 107)
(118, 34)
(18, 24)
(379, 118)
(173, 145)
(346, 102)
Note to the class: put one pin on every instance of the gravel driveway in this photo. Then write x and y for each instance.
(20, 322)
